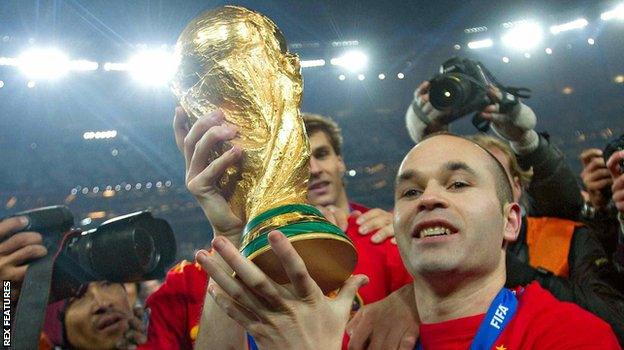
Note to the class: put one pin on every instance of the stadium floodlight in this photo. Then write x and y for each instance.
(352, 60)
(312, 63)
(576, 24)
(523, 35)
(83, 65)
(480, 44)
(40, 63)
(153, 67)
(616, 13)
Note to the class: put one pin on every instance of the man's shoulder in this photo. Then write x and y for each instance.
(545, 316)
(185, 278)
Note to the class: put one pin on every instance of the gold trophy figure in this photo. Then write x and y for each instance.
(237, 60)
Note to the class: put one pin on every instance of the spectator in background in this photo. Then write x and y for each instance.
(614, 163)
(553, 190)
(99, 316)
(599, 211)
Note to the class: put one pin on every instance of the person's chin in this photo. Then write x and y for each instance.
(432, 264)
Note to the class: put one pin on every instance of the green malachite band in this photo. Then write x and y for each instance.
(284, 209)
(297, 229)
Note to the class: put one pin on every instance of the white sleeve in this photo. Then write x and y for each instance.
(415, 126)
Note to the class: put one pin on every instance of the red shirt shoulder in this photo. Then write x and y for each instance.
(543, 322)
(540, 322)
(175, 308)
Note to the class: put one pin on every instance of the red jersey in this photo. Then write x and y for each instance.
(175, 308)
(380, 262)
(540, 322)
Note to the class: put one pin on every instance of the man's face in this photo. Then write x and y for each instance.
(99, 318)
(447, 215)
(326, 170)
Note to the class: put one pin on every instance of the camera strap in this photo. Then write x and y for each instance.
(33, 301)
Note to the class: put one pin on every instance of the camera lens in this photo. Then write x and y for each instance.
(449, 92)
(122, 252)
(145, 249)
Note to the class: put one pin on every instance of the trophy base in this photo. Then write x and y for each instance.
(327, 252)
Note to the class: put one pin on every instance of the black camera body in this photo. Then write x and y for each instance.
(461, 88)
(129, 248)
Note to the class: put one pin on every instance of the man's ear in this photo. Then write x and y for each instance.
(513, 221)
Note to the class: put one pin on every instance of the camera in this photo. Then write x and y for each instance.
(612, 147)
(461, 87)
(129, 248)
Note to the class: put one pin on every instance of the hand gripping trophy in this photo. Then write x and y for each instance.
(235, 59)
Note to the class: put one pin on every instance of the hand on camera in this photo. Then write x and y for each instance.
(617, 174)
(596, 177)
(421, 118)
(197, 144)
(17, 249)
(515, 126)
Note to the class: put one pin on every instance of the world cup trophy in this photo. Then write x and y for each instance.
(237, 60)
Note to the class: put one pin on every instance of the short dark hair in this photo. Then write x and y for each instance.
(316, 122)
(503, 187)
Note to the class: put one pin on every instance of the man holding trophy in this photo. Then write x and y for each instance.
(248, 163)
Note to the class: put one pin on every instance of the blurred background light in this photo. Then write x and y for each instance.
(43, 63)
(523, 36)
(354, 61)
(480, 44)
(572, 25)
(153, 67)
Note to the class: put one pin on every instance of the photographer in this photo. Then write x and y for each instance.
(615, 163)
(553, 190)
(599, 212)
(58, 266)
(98, 316)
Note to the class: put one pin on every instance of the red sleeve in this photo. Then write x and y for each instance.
(543, 322)
(167, 326)
(581, 330)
